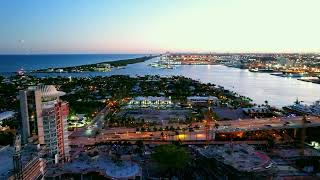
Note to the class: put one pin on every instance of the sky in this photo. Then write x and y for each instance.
(157, 26)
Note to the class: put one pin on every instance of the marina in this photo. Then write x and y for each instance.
(304, 109)
(278, 91)
(159, 90)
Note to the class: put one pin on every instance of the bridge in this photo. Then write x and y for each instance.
(261, 124)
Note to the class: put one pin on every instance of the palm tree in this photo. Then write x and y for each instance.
(216, 125)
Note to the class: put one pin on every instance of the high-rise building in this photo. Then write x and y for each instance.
(44, 115)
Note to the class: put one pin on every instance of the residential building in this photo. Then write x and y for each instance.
(44, 115)
(150, 101)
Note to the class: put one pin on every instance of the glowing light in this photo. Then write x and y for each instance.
(181, 136)
(200, 135)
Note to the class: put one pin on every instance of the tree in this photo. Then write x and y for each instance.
(6, 138)
(216, 125)
(140, 147)
(171, 158)
(139, 143)
(270, 142)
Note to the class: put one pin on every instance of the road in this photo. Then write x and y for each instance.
(90, 129)
(130, 134)
(265, 124)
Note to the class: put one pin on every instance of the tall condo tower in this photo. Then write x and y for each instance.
(44, 115)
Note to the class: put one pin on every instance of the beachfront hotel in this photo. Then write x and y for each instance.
(44, 116)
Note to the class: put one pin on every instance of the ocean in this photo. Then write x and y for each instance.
(12, 63)
(278, 91)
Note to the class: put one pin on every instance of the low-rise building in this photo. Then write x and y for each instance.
(202, 101)
(150, 101)
(6, 115)
(103, 67)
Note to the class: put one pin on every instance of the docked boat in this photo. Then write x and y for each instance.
(268, 70)
(254, 70)
(154, 65)
(303, 109)
(315, 108)
(294, 75)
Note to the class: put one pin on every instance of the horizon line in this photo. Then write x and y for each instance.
(158, 53)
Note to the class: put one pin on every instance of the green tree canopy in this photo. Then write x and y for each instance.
(171, 157)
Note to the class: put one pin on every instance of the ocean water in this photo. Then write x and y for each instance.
(278, 91)
(12, 63)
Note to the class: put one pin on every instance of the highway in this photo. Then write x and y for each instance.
(130, 134)
(265, 124)
(90, 129)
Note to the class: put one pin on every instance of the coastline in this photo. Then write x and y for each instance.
(257, 87)
(306, 77)
(93, 67)
(315, 81)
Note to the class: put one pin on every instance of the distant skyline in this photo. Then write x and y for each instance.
(144, 26)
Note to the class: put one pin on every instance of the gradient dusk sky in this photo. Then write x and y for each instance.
(152, 26)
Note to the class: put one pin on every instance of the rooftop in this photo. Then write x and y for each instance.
(291, 152)
(105, 165)
(28, 153)
(48, 90)
(202, 98)
(151, 98)
(6, 115)
(240, 156)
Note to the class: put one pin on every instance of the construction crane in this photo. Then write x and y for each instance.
(208, 121)
(17, 162)
(303, 134)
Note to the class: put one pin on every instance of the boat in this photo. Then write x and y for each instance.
(295, 75)
(267, 70)
(154, 65)
(170, 67)
(21, 72)
(298, 108)
(315, 108)
(254, 70)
